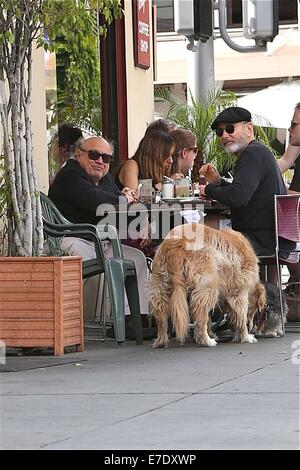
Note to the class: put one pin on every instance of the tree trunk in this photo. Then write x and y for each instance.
(16, 67)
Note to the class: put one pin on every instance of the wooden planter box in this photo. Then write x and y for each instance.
(41, 302)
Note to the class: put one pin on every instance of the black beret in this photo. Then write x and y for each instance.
(234, 114)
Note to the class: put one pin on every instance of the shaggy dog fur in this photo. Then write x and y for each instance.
(204, 264)
(268, 322)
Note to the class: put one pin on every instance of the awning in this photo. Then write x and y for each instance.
(275, 103)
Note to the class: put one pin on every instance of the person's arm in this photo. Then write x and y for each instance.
(82, 193)
(248, 172)
(129, 175)
(288, 158)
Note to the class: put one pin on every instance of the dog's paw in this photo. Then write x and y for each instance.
(158, 343)
(210, 342)
(249, 339)
(270, 334)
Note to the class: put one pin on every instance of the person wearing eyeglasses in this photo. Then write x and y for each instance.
(290, 158)
(256, 180)
(80, 186)
(292, 155)
(185, 152)
(84, 182)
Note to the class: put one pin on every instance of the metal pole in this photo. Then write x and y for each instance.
(201, 70)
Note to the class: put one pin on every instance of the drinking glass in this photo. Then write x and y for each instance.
(182, 187)
(145, 191)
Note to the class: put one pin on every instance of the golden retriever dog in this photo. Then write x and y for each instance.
(194, 267)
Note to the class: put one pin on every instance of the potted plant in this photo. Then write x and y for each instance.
(40, 297)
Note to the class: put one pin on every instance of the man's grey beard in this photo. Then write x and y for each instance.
(236, 147)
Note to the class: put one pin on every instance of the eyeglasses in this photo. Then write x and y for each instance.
(195, 149)
(229, 129)
(94, 155)
(294, 124)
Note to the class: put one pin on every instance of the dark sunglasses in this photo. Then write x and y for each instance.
(195, 149)
(94, 155)
(294, 124)
(229, 129)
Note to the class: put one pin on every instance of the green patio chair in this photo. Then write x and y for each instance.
(119, 272)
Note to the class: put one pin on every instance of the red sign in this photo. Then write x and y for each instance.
(141, 28)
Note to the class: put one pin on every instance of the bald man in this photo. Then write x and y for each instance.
(83, 184)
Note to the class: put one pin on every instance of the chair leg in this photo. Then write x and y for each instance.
(103, 312)
(97, 300)
(116, 280)
(132, 292)
(279, 284)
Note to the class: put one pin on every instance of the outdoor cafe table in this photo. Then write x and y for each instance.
(163, 216)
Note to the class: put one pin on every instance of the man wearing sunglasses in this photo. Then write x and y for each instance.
(256, 180)
(80, 186)
(84, 182)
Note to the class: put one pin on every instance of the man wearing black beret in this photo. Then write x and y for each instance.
(256, 180)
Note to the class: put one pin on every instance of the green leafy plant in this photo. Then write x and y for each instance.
(198, 116)
(78, 71)
(4, 213)
(54, 248)
(23, 22)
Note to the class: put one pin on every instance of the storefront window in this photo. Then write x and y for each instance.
(287, 12)
(165, 14)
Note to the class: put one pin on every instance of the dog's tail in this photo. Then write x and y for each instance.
(179, 309)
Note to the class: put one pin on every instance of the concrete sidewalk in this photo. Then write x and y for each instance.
(233, 396)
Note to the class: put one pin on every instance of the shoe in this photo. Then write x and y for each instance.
(224, 333)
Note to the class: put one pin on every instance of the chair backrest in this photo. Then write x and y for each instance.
(287, 216)
(52, 218)
(50, 212)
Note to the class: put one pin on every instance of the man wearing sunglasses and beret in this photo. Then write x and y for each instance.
(80, 186)
(256, 180)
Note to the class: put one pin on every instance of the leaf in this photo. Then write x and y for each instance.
(9, 36)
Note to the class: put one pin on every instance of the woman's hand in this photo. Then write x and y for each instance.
(131, 194)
